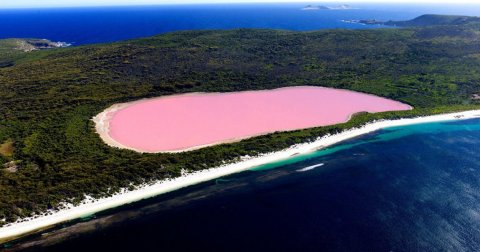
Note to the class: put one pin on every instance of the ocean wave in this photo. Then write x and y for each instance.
(310, 167)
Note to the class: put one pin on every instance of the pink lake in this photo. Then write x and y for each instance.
(190, 121)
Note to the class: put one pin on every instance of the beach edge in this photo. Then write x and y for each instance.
(91, 206)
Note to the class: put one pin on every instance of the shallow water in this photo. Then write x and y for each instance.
(414, 188)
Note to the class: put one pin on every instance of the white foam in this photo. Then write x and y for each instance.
(310, 167)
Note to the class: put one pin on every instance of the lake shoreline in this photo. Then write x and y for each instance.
(352, 102)
(91, 206)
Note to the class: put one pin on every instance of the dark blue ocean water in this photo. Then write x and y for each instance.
(95, 25)
(414, 188)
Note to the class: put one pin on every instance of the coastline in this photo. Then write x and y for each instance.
(89, 206)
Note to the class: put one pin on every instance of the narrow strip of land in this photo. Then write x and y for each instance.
(90, 206)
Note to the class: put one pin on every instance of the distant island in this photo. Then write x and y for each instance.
(364, 21)
(321, 7)
(424, 20)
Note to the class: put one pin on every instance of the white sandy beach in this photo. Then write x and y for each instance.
(89, 207)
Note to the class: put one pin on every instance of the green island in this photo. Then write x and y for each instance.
(50, 153)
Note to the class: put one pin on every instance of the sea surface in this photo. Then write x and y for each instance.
(106, 24)
(413, 188)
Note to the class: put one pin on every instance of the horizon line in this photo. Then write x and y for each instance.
(238, 2)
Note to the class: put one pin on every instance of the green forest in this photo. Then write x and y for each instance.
(50, 153)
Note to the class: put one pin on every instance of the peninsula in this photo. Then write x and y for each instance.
(424, 20)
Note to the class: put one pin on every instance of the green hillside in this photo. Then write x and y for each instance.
(47, 98)
(12, 49)
(432, 20)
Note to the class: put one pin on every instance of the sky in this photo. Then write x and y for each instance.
(78, 3)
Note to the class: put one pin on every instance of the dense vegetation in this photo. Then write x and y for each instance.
(47, 98)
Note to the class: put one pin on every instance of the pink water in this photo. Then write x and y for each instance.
(180, 122)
